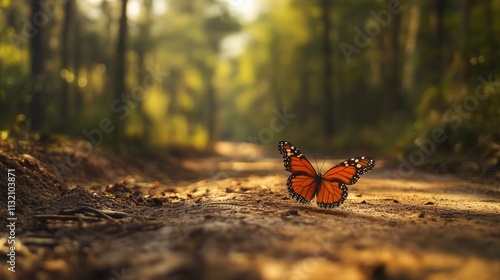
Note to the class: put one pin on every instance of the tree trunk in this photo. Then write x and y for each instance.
(37, 51)
(327, 71)
(437, 30)
(390, 66)
(302, 104)
(172, 87)
(77, 64)
(120, 71)
(410, 48)
(65, 61)
(212, 108)
(275, 71)
(142, 47)
(489, 23)
(464, 45)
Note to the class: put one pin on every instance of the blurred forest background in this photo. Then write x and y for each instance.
(375, 75)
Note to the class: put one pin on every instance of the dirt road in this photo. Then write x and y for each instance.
(239, 222)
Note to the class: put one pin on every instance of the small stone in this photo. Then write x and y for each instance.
(291, 213)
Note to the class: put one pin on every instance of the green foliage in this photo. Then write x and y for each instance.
(14, 80)
(229, 72)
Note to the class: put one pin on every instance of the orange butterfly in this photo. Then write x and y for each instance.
(330, 188)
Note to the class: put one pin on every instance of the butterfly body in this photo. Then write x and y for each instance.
(329, 188)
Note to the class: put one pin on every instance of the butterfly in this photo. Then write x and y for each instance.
(330, 188)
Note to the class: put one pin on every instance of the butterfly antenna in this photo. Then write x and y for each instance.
(316, 161)
(323, 164)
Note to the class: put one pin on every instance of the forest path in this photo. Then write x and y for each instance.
(240, 223)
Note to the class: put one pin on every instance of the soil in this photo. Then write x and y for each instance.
(106, 215)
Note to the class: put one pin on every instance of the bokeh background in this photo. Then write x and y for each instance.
(337, 75)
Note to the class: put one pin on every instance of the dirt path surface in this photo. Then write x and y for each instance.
(235, 220)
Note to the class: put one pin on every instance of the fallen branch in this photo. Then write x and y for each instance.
(81, 209)
(41, 241)
(107, 214)
(64, 217)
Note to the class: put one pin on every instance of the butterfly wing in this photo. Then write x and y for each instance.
(302, 187)
(294, 160)
(331, 194)
(303, 182)
(333, 190)
(349, 171)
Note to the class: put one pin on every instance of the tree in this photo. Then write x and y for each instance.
(329, 107)
(216, 28)
(143, 44)
(408, 79)
(65, 63)
(37, 61)
(435, 48)
(120, 70)
(465, 11)
(390, 65)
